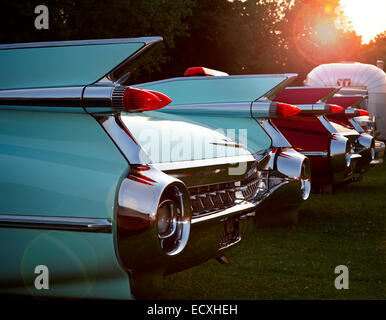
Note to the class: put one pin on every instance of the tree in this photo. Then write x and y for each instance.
(233, 36)
(375, 50)
(98, 19)
(313, 33)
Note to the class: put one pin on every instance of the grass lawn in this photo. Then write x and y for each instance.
(345, 228)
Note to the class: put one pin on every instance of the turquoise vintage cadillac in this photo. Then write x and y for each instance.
(107, 188)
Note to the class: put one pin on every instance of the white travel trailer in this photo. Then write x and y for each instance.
(356, 75)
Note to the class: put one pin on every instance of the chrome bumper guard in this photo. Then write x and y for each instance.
(212, 234)
(379, 153)
(343, 159)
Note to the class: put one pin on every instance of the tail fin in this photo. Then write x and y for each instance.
(68, 63)
(306, 95)
(347, 101)
(311, 100)
(190, 91)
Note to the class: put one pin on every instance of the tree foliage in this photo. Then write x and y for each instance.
(98, 19)
(251, 36)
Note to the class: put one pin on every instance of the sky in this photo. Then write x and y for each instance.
(368, 17)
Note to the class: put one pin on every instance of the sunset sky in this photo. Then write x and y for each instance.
(368, 17)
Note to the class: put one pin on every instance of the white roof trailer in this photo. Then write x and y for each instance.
(359, 76)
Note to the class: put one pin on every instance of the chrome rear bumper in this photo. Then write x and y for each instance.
(212, 234)
(379, 153)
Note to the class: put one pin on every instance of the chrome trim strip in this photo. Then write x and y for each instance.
(240, 208)
(145, 40)
(263, 109)
(229, 108)
(202, 162)
(57, 223)
(316, 108)
(314, 153)
(355, 156)
(122, 137)
(356, 125)
(327, 125)
(278, 140)
(55, 97)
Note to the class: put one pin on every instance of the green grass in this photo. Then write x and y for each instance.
(347, 228)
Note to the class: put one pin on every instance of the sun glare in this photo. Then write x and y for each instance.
(368, 18)
(325, 32)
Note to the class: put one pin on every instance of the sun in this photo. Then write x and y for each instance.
(368, 18)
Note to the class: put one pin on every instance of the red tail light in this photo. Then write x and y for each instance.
(163, 97)
(351, 113)
(362, 112)
(201, 71)
(335, 109)
(286, 110)
(144, 100)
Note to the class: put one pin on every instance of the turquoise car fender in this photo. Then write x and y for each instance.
(59, 165)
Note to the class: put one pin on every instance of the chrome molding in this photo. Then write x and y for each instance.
(88, 96)
(340, 153)
(305, 179)
(240, 208)
(314, 153)
(327, 124)
(290, 163)
(316, 108)
(278, 140)
(178, 165)
(356, 125)
(122, 137)
(145, 40)
(99, 96)
(56, 223)
(55, 97)
(220, 109)
(263, 109)
(366, 141)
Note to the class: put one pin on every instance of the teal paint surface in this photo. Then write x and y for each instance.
(170, 138)
(80, 265)
(243, 130)
(61, 66)
(57, 165)
(185, 91)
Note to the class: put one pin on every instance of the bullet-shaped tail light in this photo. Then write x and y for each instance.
(286, 110)
(202, 71)
(335, 109)
(362, 112)
(135, 99)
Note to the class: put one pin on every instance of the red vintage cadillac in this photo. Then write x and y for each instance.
(372, 150)
(333, 149)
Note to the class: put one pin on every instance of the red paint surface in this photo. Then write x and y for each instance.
(343, 101)
(303, 95)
